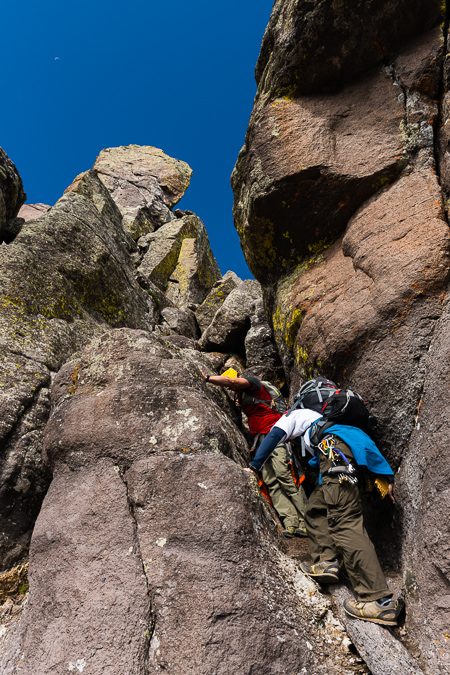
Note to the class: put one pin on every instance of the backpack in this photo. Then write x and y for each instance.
(313, 394)
(278, 402)
(344, 406)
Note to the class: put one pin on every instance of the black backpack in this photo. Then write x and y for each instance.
(344, 406)
(314, 394)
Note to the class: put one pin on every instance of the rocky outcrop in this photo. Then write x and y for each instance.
(12, 196)
(66, 276)
(127, 557)
(231, 321)
(215, 299)
(178, 259)
(341, 206)
(145, 183)
(321, 46)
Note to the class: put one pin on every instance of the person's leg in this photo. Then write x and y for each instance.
(282, 504)
(321, 544)
(284, 477)
(346, 528)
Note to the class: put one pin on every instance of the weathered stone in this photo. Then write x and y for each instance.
(221, 290)
(90, 599)
(145, 183)
(186, 278)
(12, 196)
(309, 163)
(65, 277)
(152, 384)
(143, 504)
(368, 318)
(196, 271)
(32, 211)
(340, 204)
(424, 496)
(181, 320)
(90, 186)
(313, 47)
(262, 358)
(231, 322)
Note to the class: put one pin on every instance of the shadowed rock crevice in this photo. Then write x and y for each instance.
(152, 617)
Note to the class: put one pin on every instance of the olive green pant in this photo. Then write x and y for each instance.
(334, 523)
(288, 500)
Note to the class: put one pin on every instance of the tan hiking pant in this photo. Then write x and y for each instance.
(334, 523)
(288, 500)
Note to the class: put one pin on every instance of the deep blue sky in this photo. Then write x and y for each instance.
(79, 77)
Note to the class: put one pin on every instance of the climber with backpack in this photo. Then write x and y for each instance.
(263, 405)
(334, 430)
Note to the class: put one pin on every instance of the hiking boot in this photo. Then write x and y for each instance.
(289, 532)
(300, 531)
(326, 572)
(386, 613)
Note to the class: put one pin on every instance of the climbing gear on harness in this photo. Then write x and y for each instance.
(385, 613)
(326, 572)
(343, 471)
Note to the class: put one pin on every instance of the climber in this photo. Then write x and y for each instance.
(288, 499)
(333, 516)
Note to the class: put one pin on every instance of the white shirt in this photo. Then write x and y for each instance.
(296, 423)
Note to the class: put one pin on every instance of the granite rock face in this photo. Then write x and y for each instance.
(341, 196)
(216, 297)
(65, 277)
(321, 46)
(12, 196)
(178, 259)
(145, 183)
(127, 563)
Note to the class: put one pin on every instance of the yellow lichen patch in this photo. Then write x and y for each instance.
(286, 326)
(14, 583)
(318, 247)
(74, 377)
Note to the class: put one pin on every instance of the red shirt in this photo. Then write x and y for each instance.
(261, 418)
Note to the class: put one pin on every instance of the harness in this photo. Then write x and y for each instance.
(343, 470)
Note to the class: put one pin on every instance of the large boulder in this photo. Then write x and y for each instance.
(152, 549)
(231, 322)
(215, 298)
(179, 260)
(145, 183)
(320, 46)
(12, 196)
(310, 163)
(65, 277)
(341, 196)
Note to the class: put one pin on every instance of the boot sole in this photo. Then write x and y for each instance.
(384, 622)
(324, 578)
(327, 578)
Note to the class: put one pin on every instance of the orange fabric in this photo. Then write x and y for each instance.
(264, 491)
(297, 481)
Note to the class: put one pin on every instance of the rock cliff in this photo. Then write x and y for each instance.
(341, 205)
(131, 540)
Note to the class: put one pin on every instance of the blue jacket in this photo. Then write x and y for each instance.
(363, 449)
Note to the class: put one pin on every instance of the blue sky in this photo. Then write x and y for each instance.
(79, 77)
